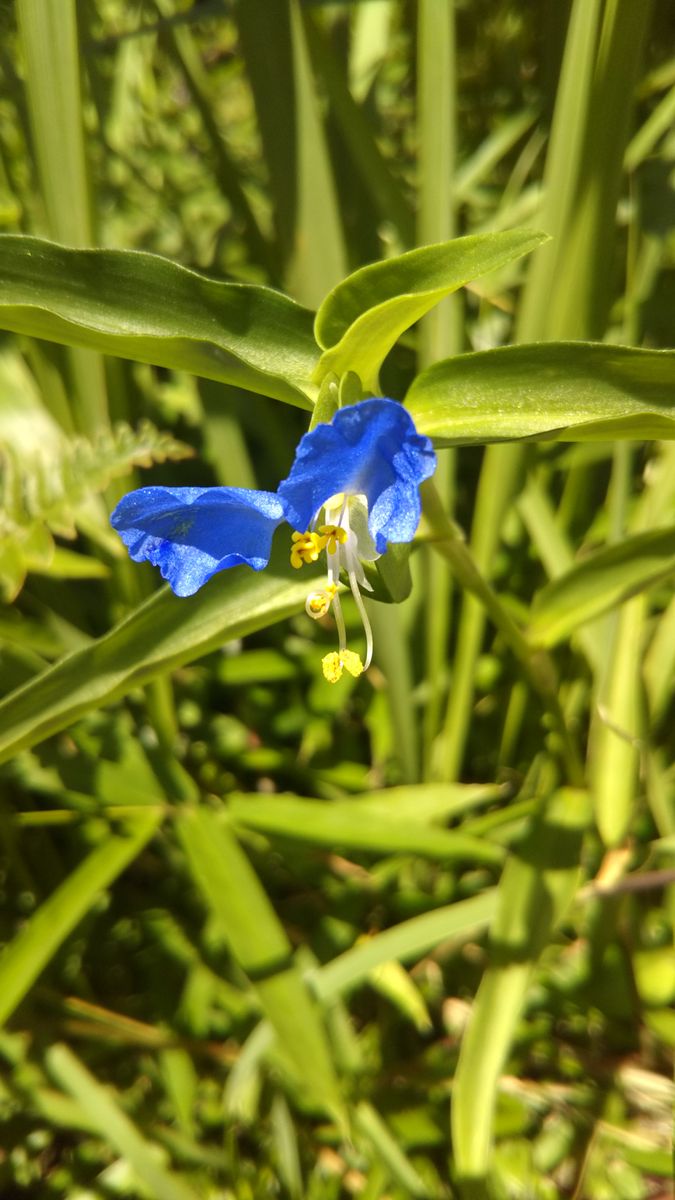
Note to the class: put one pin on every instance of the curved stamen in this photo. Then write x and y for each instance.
(358, 600)
(318, 603)
(342, 545)
(340, 623)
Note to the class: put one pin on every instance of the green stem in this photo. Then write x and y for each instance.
(440, 333)
(536, 662)
(498, 481)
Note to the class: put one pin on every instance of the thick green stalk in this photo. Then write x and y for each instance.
(440, 333)
(579, 304)
(49, 39)
(497, 484)
(564, 161)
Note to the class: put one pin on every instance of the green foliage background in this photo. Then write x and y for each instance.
(411, 935)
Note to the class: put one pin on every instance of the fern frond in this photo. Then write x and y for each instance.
(40, 497)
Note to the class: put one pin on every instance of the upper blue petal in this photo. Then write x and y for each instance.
(190, 533)
(371, 448)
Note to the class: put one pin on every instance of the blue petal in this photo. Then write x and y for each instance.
(190, 533)
(371, 448)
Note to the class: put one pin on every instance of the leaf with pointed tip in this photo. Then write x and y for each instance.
(570, 391)
(140, 306)
(156, 637)
(601, 582)
(360, 320)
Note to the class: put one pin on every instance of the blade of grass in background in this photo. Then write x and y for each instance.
(332, 825)
(392, 655)
(368, 1121)
(617, 736)
(181, 45)
(601, 582)
(566, 160)
(319, 257)
(404, 942)
(53, 88)
(564, 166)
(162, 633)
(384, 189)
(31, 950)
(578, 306)
(536, 889)
(106, 1113)
(50, 44)
(269, 65)
(440, 333)
(260, 945)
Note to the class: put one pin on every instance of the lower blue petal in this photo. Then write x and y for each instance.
(372, 449)
(191, 533)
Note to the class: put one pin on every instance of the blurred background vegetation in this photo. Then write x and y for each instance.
(353, 837)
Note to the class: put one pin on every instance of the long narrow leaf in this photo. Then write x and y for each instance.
(360, 320)
(30, 951)
(571, 391)
(536, 889)
(332, 825)
(144, 307)
(159, 635)
(601, 582)
(114, 1125)
(259, 943)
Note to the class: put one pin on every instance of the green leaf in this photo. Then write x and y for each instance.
(360, 320)
(51, 490)
(144, 307)
(260, 945)
(538, 884)
(161, 634)
(70, 564)
(353, 826)
(601, 582)
(114, 1126)
(369, 1122)
(30, 951)
(404, 942)
(570, 391)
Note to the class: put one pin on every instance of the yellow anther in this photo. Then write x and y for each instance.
(334, 663)
(333, 536)
(306, 548)
(318, 603)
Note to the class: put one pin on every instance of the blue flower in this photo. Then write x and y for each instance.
(363, 470)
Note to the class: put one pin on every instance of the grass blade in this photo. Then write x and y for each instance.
(30, 951)
(49, 38)
(159, 635)
(319, 257)
(330, 825)
(50, 42)
(404, 943)
(258, 941)
(536, 889)
(114, 1125)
